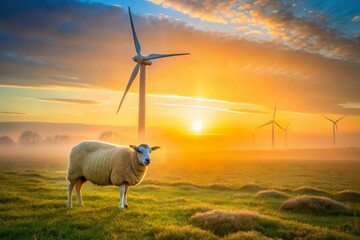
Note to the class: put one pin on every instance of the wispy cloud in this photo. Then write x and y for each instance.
(356, 18)
(350, 105)
(21, 58)
(14, 113)
(209, 106)
(70, 101)
(247, 111)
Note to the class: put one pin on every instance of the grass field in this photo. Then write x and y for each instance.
(208, 201)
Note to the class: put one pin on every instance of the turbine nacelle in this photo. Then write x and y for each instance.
(141, 59)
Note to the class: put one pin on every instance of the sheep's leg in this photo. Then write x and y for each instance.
(78, 187)
(125, 196)
(70, 189)
(122, 193)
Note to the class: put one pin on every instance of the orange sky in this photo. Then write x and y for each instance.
(228, 84)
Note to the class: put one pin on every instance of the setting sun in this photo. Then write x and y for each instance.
(197, 126)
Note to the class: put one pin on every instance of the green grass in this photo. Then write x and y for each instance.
(33, 199)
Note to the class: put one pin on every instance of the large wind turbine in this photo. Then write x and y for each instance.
(141, 63)
(272, 122)
(334, 127)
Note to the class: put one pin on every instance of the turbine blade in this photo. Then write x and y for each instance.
(328, 118)
(264, 125)
(340, 119)
(155, 56)
(274, 112)
(136, 41)
(279, 126)
(132, 77)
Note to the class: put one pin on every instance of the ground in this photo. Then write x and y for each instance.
(33, 199)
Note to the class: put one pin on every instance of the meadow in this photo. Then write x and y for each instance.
(208, 199)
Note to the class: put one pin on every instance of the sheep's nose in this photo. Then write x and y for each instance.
(147, 161)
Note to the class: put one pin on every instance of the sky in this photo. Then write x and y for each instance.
(69, 62)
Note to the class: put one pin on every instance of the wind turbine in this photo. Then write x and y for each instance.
(272, 122)
(334, 126)
(287, 130)
(141, 63)
(253, 138)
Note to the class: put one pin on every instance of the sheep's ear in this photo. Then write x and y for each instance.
(154, 148)
(133, 147)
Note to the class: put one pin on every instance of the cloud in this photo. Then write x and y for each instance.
(19, 58)
(14, 113)
(96, 52)
(215, 11)
(286, 22)
(350, 105)
(246, 111)
(356, 18)
(213, 108)
(71, 101)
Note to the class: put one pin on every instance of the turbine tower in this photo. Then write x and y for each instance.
(334, 123)
(273, 123)
(141, 63)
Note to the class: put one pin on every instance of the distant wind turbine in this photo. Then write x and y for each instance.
(287, 130)
(253, 133)
(272, 122)
(334, 126)
(141, 63)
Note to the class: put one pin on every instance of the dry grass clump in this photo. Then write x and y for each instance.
(314, 205)
(251, 187)
(186, 232)
(148, 187)
(311, 191)
(185, 186)
(223, 222)
(220, 187)
(272, 194)
(252, 235)
(348, 195)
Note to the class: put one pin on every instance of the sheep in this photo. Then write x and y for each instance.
(107, 164)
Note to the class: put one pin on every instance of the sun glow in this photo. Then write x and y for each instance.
(197, 126)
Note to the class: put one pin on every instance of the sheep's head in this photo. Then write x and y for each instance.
(143, 153)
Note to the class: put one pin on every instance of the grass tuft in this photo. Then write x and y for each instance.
(314, 205)
(311, 191)
(187, 187)
(148, 187)
(186, 232)
(251, 187)
(252, 235)
(223, 222)
(220, 187)
(272, 194)
(348, 195)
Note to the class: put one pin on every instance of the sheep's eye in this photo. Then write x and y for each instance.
(138, 151)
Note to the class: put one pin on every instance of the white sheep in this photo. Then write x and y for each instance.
(107, 164)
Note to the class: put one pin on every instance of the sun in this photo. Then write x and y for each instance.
(197, 126)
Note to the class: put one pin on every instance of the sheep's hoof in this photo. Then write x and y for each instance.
(126, 206)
